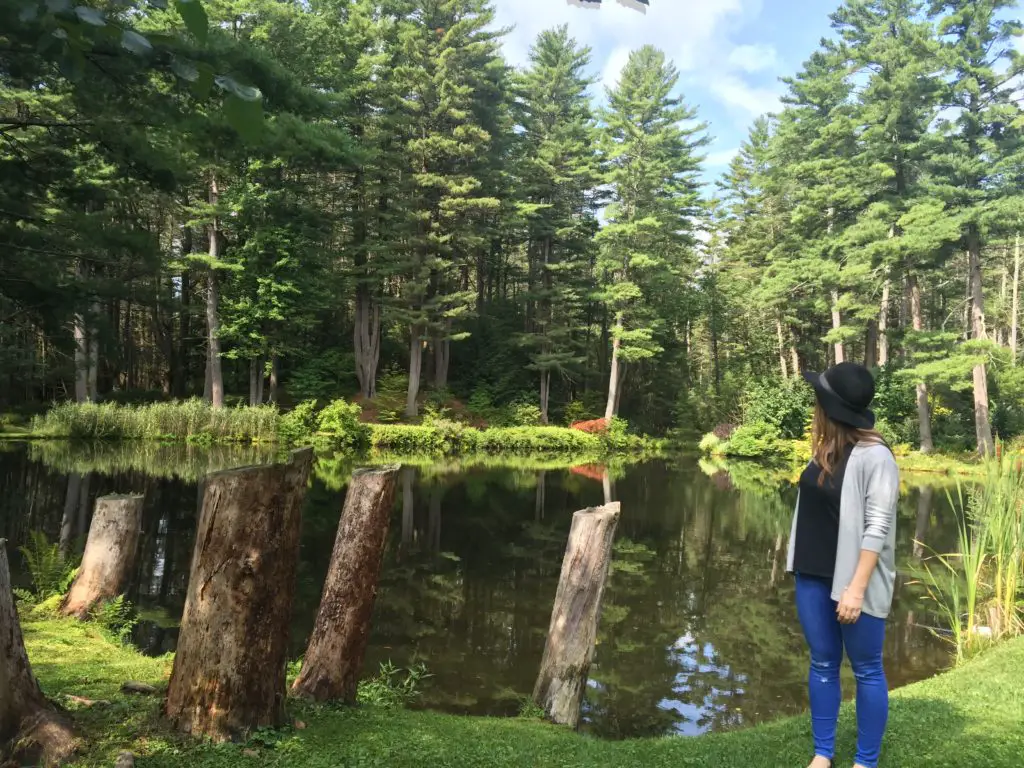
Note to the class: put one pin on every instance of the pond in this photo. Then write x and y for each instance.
(698, 631)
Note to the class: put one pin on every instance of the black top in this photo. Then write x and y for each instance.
(817, 520)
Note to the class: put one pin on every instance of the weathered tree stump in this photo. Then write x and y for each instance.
(29, 725)
(337, 647)
(229, 670)
(573, 632)
(109, 554)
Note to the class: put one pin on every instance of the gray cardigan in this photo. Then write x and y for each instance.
(867, 520)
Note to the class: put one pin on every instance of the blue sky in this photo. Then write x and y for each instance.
(730, 53)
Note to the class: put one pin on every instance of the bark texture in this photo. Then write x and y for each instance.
(573, 632)
(229, 670)
(982, 419)
(924, 416)
(215, 372)
(415, 371)
(337, 647)
(837, 323)
(29, 725)
(615, 376)
(109, 557)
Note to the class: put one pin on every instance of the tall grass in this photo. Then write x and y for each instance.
(191, 420)
(980, 589)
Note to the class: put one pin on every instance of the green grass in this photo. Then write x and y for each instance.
(972, 716)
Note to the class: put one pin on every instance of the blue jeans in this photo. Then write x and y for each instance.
(863, 641)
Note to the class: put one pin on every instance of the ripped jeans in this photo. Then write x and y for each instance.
(863, 641)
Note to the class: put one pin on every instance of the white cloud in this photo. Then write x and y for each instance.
(754, 58)
(721, 158)
(688, 32)
(748, 101)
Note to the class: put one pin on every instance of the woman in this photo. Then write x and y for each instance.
(842, 550)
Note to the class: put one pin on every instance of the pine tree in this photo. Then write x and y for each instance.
(652, 143)
(978, 145)
(558, 175)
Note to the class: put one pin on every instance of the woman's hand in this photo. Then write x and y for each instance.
(850, 606)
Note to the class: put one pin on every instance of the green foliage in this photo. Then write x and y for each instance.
(117, 617)
(192, 420)
(340, 423)
(783, 404)
(393, 687)
(755, 441)
(51, 571)
(711, 444)
(323, 377)
(299, 424)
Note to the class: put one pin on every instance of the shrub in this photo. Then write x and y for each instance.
(782, 404)
(710, 444)
(116, 617)
(524, 415)
(724, 431)
(592, 427)
(339, 423)
(405, 438)
(393, 687)
(299, 424)
(577, 411)
(755, 441)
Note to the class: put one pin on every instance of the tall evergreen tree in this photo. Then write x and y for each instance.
(558, 179)
(652, 142)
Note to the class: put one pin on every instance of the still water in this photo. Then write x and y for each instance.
(698, 631)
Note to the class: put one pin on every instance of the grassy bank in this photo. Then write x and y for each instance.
(971, 716)
(338, 426)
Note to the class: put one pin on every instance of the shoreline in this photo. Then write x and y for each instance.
(970, 715)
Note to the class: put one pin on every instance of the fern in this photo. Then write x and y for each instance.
(117, 617)
(52, 573)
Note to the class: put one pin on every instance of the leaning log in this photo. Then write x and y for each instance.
(229, 670)
(572, 635)
(337, 647)
(109, 557)
(29, 725)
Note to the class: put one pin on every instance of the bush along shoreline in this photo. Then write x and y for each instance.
(336, 426)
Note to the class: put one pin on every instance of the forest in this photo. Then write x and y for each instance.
(267, 201)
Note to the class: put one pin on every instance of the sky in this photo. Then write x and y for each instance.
(730, 53)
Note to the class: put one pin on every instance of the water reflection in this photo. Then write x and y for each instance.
(698, 630)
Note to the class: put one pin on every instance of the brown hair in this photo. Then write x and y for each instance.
(829, 439)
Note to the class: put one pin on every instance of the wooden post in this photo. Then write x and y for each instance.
(573, 631)
(334, 657)
(229, 670)
(38, 733)
(109, 557)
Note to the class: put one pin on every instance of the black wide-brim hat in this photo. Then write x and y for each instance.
(845, 391)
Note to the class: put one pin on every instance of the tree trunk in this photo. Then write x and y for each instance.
(924, 512)
(67, 521)
(94, 357)
(366, 339)
(545, 394)
(442, 359)
(837, 323)
(81, 360)
(216, 373)
(871, 344)
(1015, 305)
(182, 369)
(794, 356)
(408, 505)
(229, 670)
(415, 369)
(38, 734)
(883, 326)
(254, 381)
(337, 647)
(208, 385)
(541, 497)
(338, 644)
(260, 381)
(615, 377)
(110, 552)
(572, 634)
(275, 377)
(982, 422)
(782, 350)
(924, 417)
